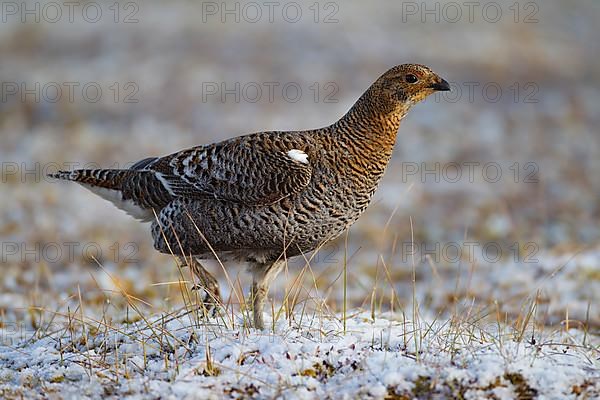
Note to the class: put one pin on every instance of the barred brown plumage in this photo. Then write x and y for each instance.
(267, 196)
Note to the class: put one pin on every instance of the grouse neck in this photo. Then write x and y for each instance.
(373, 119)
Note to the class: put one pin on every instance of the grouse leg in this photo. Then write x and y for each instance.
(263, 275)
(211, 298)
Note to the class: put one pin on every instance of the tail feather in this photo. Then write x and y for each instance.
(105, 178)
(137, 192)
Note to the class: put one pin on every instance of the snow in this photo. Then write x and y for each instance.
(372, 359)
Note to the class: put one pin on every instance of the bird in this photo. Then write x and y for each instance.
(264, 197)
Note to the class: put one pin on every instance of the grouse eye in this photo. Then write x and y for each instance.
(410, 78)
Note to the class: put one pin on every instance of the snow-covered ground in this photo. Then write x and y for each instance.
(493, 340)
(490, 202)
(173, 357)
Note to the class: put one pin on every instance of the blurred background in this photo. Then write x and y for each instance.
(491, 197)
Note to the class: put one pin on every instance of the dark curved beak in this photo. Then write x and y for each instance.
(441, 86)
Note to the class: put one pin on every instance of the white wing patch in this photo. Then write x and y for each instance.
(164, 182)
(298, 155)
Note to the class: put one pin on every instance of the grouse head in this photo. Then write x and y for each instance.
(407, 84)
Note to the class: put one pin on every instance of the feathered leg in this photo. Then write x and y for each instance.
(206, 282)
(262, 277)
